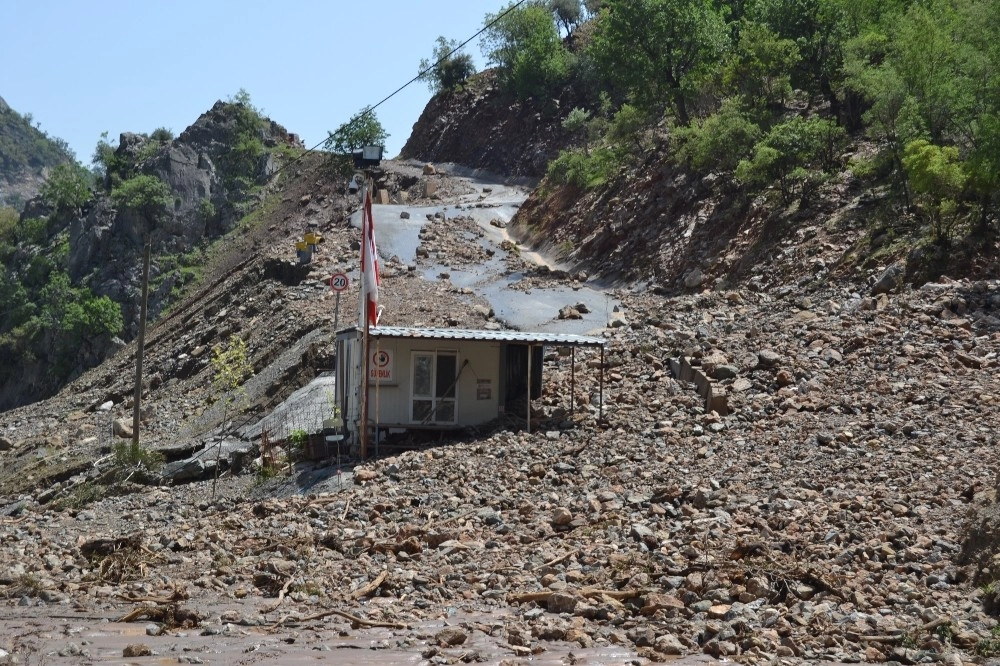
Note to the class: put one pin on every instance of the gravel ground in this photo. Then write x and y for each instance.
(821, 518)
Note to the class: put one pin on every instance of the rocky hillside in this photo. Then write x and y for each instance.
(666, 226)
(210, 189)
(819, 517)
(178, 194)
(778, 456)
(26, 155)
(482, 129)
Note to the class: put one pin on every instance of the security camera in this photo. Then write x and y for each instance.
(353, 186)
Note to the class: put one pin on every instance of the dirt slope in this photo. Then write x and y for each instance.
(252, 289)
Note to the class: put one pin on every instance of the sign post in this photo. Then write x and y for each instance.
(338, 283)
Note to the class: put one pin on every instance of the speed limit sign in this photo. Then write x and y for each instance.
(338, 282)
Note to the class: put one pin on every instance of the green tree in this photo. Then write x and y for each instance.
(447, 69)
(656, 49)
(819, 29)
(67, 188)
(928, 59)
(232, 368)
(937, 178)
(983, 167)
(524, 44)
(720, 141)
(759, 68)
(363, 129)
(931, 71)
(568, 14)
(797, 154)
(162, 134)
(243, 159)
(145, 194)
(104, 161)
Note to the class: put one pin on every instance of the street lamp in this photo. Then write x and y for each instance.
(368, 157)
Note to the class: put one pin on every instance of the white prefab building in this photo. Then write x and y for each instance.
(442, 378)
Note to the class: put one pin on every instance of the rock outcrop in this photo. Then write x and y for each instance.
(479, 128)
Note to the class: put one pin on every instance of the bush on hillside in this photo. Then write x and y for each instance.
(719, 142)
(525, 46)
(67, 188)
(447, 69)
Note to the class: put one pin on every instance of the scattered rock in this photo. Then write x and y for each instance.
(122, 428)
(136, 650)
(561, 516)
(451, 636)
(768, 358)
(694, 278)
(889, 281)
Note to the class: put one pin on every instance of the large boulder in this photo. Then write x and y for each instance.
(889, 281)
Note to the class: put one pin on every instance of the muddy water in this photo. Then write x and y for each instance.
(534, 309)
(38, 635)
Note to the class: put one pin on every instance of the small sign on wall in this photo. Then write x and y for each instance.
(484, 389)
(382, 368)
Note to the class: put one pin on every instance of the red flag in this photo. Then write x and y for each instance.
(369, 260)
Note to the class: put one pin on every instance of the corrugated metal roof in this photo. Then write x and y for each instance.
(498, 336)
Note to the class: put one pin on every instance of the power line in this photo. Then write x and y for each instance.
(371, 109)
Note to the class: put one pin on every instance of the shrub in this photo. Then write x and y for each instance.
(129, 458)
(718, 142)
(526, 48)
(162, 134)
(67, 188)
(34, 231)
(582, 169)
(937, 178)
(628, 128)
(206, 210)
(297, 440)
(447, 70)
(146, 195)
(796, 153)
(8, 225)
(93, 316)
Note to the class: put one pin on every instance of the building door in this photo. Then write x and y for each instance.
(435, 387)
(515, 364)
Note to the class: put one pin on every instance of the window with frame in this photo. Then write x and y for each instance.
(434, 387)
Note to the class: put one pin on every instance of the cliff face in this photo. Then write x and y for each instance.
(480, 128)
(211, 185)
(209, 194)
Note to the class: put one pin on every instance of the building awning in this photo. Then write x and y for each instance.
(527, 337)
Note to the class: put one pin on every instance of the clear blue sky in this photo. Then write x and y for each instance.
(82, 68)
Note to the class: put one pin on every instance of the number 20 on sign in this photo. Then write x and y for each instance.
(338, 282)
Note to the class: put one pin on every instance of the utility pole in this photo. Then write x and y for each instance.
(140, 343)
(363, 317)
(366, 159)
